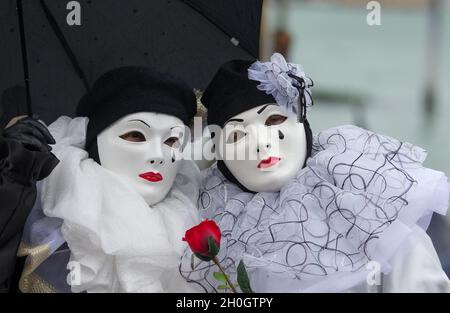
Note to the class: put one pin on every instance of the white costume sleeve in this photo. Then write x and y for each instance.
(416, 267)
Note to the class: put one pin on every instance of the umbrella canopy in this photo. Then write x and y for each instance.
(187, 38)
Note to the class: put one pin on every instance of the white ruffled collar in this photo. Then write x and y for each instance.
(355, 202)
(105, 220)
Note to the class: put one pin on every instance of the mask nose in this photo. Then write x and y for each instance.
(263, 142)
(263, 147)
(157, 156)
(157, 161)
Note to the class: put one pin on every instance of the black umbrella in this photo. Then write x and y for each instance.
(187, 38)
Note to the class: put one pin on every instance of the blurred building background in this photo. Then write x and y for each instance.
(392, 78)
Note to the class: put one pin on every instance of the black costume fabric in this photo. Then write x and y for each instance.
(21, 165)
(230, 93)
(132, 89)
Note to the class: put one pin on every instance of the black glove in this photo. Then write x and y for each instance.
(31, 133)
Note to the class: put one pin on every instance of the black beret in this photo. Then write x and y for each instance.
(231, 92)
(133, 89)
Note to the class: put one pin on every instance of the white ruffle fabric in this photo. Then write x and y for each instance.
(357, 200)
(120, 244)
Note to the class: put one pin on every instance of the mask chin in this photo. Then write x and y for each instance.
(151, 196)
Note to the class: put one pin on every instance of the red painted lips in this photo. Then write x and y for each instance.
(151, 176)
(270, 161)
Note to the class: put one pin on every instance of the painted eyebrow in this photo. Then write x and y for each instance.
(235, 120)
(141, 122)
(263, 108)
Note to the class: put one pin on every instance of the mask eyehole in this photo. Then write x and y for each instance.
(173, 142)
(275, 119)
(235, 136)
(133, 136)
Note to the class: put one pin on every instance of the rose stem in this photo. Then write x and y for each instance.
(216, 261)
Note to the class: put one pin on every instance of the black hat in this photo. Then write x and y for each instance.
(133, 89)
(230, 93)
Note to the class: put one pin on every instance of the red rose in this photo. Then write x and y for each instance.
(204, 239)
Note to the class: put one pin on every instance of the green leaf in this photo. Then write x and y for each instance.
(213, 248)
(242, 278)
(220, 277)
(203, 257)
(223, 287)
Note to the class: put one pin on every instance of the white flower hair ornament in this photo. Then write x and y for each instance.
(286, 82)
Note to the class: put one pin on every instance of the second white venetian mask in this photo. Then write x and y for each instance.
(263, 147)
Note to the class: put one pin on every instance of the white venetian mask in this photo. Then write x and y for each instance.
(143, 148)
(263, 147)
